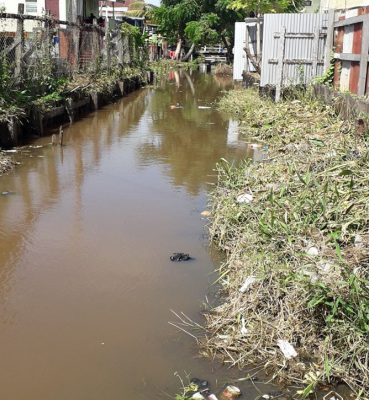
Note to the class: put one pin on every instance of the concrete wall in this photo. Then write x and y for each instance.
(53, 7)
(315, 7)
(11, 6)
(342, 4)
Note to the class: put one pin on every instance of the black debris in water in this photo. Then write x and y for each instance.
(202, 384)
(177, 257)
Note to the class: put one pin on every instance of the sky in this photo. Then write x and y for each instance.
(155, 2)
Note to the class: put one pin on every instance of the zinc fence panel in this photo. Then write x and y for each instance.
(299, 51)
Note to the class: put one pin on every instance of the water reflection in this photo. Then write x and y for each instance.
(189, 139)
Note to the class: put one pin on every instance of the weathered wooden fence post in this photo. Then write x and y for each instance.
(19, 38)
(108, 47)
(76, 37)
(126, 49)
(258, 40)
(120, 47)
(364, 57)
(329, 40)
(282, 43)
(314, 58)
(95, 44)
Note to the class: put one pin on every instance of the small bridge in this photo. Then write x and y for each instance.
(214, 54)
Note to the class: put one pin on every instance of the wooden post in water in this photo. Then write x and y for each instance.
(19, 38)
(61, 136)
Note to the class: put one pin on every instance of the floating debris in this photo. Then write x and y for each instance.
(230, 393)
(197, 396)
(178, 257)
(206, 213)
(200, 383)
(204, 107)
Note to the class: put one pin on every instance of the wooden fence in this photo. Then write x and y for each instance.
(351, 50)
(27, 42)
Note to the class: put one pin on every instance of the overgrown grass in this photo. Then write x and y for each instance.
(162, 67)
(17, 97)
(304, 237)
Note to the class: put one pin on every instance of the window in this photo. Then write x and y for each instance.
(31, 6)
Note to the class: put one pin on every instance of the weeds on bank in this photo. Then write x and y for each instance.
(304, 238)
(46, 92)
(162, 67)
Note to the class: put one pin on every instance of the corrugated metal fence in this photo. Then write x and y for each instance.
(293, 48)
(298, 47)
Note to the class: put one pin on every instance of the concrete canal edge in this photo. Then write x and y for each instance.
(38, 121)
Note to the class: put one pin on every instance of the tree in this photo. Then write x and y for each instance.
(210, 21)
(139, 9)
(173, 16)
(266, 6)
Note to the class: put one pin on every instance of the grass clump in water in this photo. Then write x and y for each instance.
(304, 240)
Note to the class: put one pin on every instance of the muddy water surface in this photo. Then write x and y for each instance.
(86, 285)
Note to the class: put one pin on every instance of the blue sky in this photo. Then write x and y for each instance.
(155, 2)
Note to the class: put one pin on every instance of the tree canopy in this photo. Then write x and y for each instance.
(212, 21)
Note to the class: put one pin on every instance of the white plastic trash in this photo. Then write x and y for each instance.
(248, 282)
(245, 198)
(287, 349)
(244, 330)
(312, 251)
(231, 392)
(198, 396)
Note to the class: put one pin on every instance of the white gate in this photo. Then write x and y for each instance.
(248, 32)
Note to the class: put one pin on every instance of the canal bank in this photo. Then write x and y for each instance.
(79, 97)
(294, 227)
(87, 229)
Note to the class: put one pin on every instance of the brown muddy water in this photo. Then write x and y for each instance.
(86, 284)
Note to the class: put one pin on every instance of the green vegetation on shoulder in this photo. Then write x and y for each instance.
(303, 237)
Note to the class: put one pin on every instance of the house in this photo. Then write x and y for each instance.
(323, 5)
(312, 6)
(114, 9)
(66, 10)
